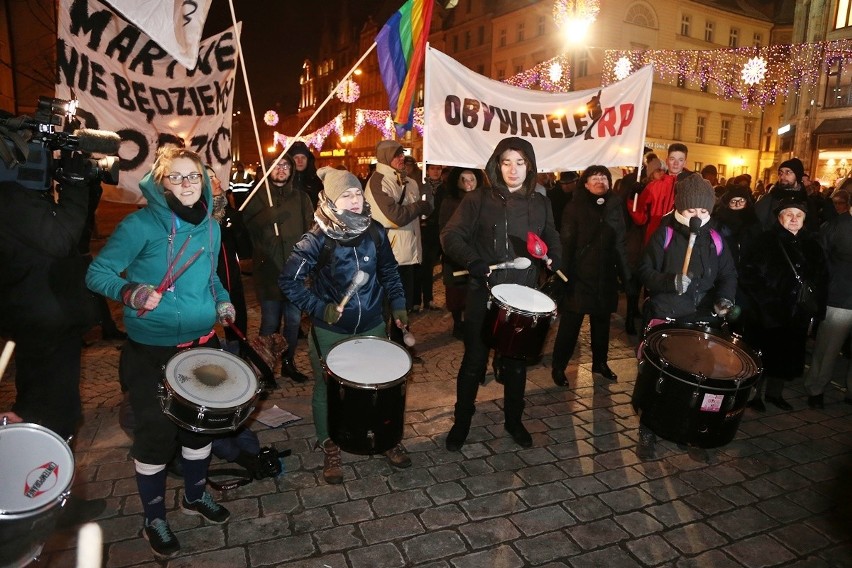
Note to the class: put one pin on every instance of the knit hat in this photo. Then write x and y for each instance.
(736, 191)
(335, 182)
(795, 164)
(694, 192)
(791, 203)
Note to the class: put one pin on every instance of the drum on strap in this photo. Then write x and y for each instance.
(36, 471)
(517, 321)
(208, 390)
(694, 383)
(366, 380)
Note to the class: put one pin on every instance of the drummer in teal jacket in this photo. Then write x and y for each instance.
(148, 245)
(344, 240)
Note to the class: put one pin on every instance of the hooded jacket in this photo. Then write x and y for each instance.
(306, 180)
(144, 244)
(491, 224)
(291, 211)
(396, 205)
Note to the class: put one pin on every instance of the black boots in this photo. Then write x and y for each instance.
(288, 369)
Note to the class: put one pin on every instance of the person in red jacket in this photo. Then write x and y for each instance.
(657, 199)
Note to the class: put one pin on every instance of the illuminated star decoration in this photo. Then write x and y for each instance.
(754, 71)
(348, 91)
(622, 68)
(575, 12)
(270, 117)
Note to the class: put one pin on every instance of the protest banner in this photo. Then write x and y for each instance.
(125, 82)
(467, 114)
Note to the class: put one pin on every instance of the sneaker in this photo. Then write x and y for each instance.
(207, 508)
(332, 471)
(159, 535)
(398, 457)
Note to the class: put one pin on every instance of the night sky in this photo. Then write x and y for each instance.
(277, 37)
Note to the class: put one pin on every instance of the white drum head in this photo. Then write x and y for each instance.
(368, 360)
(211, 377)
(36, 468)
(524, 298)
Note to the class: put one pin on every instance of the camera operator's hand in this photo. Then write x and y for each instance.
(73, 168)
(140, 296)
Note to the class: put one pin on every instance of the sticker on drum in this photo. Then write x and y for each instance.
(36, 469)
(211, 378)
(524, 298)
(370, 362)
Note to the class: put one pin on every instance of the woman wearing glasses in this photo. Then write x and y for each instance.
(274, 231)
(149, 247)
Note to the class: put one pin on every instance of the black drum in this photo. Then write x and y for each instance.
(694, 383)
(517, 321)
(366, 378)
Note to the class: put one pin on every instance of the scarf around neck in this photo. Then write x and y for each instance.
(341, 224)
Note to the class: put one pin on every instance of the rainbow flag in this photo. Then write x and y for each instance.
(401, 46)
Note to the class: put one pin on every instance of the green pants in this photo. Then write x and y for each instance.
(326, 340)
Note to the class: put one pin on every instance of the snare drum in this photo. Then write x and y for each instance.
(36, 469)
(366, 379)
(694, 383)
(208, 390)
(517, 321)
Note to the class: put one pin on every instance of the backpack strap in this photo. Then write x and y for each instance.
(668, 240)
(717, 241)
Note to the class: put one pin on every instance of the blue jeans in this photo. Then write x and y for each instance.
(271, 313)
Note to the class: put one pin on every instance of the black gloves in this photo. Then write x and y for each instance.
(478, 268)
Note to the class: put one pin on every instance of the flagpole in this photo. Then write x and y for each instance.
(291, 139)
(238, 31)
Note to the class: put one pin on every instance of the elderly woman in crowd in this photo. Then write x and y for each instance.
(772, 273)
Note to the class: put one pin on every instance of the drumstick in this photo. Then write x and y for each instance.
(169, 281)
(89, 546)
(519, 263)
(6, 356)
(694, 225)
(358, 280)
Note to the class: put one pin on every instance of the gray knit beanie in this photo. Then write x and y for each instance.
(335, 182)
(694, 192)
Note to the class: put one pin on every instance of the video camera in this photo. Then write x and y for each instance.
(27, 146)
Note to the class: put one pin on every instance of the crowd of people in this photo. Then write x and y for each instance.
(773, 265)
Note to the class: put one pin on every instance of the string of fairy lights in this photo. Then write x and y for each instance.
(757, 76)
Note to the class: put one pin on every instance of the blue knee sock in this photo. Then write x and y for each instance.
(194, 477)
(152, 492)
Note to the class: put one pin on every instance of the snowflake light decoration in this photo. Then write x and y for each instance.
(348, 91)
(554, 73)
(270, 117)
(754, 70)
(622, 68)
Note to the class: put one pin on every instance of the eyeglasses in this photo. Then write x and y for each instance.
(737, 201)
(177, 179)
(282, 167)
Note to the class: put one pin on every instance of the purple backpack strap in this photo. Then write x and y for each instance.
(714, 234)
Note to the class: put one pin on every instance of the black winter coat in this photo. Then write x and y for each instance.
(712, 272)
(593, 247)
(769, 281)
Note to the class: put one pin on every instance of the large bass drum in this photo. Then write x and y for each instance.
(694, 383)
(366, 380)
(36, 471)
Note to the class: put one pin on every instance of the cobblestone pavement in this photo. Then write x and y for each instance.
(778, 495)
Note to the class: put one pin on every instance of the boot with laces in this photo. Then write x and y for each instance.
(332, 470)
(398, 457)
